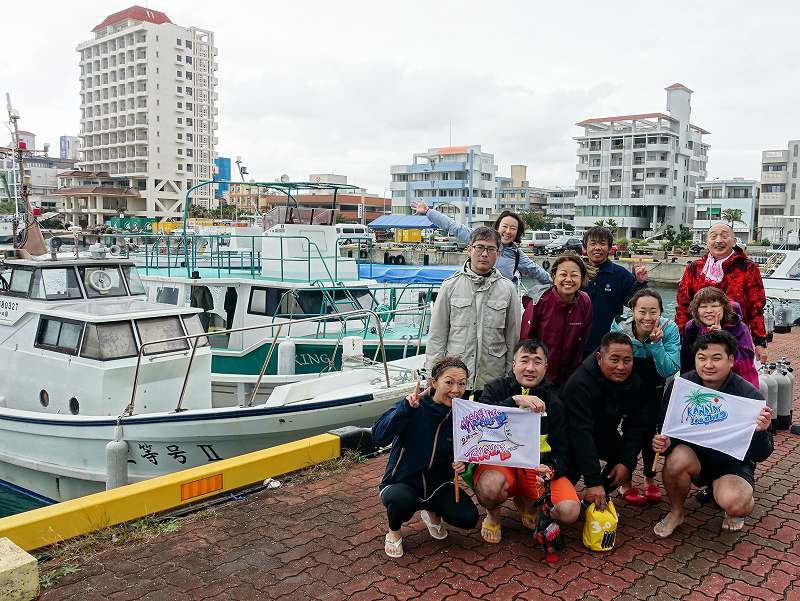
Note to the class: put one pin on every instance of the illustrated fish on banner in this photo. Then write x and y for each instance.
(495, 435)
(710, 418)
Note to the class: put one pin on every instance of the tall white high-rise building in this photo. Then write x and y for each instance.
(779, 205)
(148, 108)
(641, 171)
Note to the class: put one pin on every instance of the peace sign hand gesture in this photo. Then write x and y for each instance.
(658, 332)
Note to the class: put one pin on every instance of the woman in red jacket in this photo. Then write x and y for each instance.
(562, 318)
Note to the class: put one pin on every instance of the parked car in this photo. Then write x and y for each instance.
(564, 243)
(536, 240)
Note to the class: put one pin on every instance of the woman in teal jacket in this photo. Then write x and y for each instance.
(656, 357)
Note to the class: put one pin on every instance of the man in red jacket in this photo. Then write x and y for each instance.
(726, 267)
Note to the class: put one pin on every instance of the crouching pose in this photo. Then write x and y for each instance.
(494, 484)
(419, 474)
(731, 479)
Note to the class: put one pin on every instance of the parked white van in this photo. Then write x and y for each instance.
(536, 240)
(353, 233)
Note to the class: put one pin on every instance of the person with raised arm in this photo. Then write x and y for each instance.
(511, 260)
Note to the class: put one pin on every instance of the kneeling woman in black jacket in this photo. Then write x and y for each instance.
(419, 474)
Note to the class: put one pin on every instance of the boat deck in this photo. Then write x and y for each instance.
(322, 539)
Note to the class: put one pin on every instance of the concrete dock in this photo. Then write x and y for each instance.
(323, 539)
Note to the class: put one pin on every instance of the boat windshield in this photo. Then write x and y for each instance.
(105, 341)
(160, 328)
(102, 281)
(134, 282)
(54, 283)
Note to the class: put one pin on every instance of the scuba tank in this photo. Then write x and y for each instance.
(772, 392)
(783, 318)
(784, 417)
(769, 319)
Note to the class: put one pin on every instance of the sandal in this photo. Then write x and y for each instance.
(652, 493)
(528, 519)
(491, 533)
(393, 548)
(633, 496)
(660, 529)
(732, 524)
(437, 531)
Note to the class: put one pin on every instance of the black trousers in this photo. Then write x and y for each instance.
(403, 501)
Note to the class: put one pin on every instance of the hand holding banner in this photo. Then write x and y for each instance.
(710, 418)
(495, 435)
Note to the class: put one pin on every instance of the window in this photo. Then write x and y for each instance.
(60, 335)
(188, 43)
(794, 191)
(134, 282)
(106, 341)
(19, 281)
(180, 90)
(161, 328)
(55, 284)
(102, 282)
(194, 327)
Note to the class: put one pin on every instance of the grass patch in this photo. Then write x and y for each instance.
(51, 577)
(320, 471)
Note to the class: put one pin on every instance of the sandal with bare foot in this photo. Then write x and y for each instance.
(491, 533)
(393, 548)
(528, 519)
(732, 524)
(437, 531)
(664, 530)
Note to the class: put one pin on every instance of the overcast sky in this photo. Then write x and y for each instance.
(353, 87)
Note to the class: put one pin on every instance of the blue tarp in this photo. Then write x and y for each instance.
(422, 274)
(408, 222)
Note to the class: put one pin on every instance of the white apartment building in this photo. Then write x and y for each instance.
(41, 173)
(715, 196)
(641, 170)
(561, 205)
(457, 180)
(779, 204)
(148, 110)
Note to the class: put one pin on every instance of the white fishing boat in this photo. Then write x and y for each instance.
(86, 358)
(781, 275)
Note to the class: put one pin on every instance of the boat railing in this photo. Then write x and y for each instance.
(197, 340)
(162, 251)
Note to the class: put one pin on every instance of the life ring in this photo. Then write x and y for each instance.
(546, 264)
(100, 281)
(400, 260)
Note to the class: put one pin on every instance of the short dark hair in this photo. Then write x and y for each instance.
(600, 233)
(610, 338)
(531, 345)
(646, 292)
(484, 233)
(711, 294)
(520, 223)
(440, 365)
(716, 337)
(572, 257)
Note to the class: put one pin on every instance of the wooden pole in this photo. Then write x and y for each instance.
(457, 490)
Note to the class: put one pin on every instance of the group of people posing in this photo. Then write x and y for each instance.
(600, 380)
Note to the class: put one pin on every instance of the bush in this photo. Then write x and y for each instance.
(765, 242)
(622, 244)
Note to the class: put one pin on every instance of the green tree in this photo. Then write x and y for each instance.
(535, 220)
(600, 223)
(733, 216)
(6, 207)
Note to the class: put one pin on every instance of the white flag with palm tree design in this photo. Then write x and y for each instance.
(710, 418)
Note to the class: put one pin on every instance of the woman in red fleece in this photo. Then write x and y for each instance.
(562, 318)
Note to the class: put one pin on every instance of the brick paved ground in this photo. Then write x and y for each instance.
(324, 540)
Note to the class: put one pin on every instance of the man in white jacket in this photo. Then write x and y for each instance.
(477, 315)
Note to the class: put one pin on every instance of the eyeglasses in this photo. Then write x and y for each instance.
(484, 250)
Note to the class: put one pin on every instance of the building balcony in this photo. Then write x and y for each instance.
(659, 147)
(583, 152)
(773, 177)
(582, 167)
(659, 164)
(773, 199)
(775, 156)
(658, 181)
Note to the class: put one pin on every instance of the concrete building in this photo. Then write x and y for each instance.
(715, 196)
(458, 180)
(561, 206)
(69, 147)
(516, 194)
(641, 170)
(91, 198)
(779, 202)
(42, 173)
(148, 112)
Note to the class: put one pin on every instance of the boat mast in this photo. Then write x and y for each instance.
(32, 239)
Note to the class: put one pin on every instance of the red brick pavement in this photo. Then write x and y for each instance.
(323, 540)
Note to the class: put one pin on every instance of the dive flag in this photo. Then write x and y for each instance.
(495, 435)
(710, 418)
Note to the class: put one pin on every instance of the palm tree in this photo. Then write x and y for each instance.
(733, 216)
(600, 223)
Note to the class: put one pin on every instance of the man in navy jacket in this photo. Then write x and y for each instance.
(611, 288)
